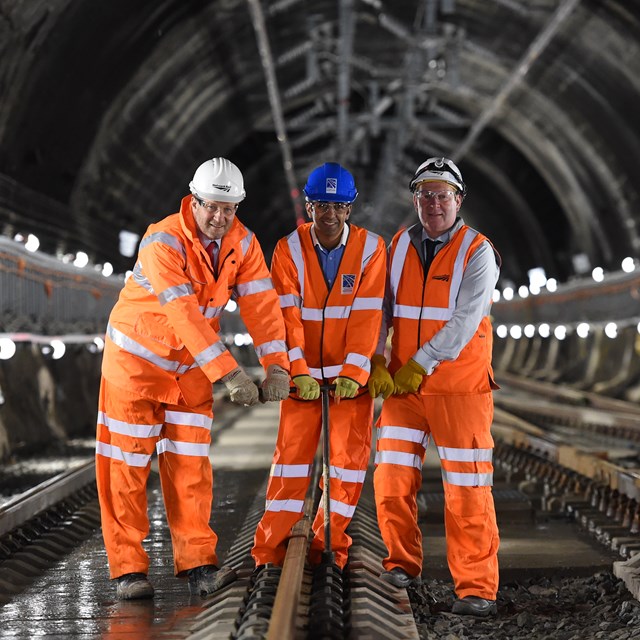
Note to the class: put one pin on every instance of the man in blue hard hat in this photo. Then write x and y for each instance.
(330, 276)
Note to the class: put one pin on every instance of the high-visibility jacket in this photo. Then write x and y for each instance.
(330, 332)
(422, 303)
(162, 337)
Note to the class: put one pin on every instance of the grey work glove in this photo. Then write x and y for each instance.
(242, 390)
(276, 385)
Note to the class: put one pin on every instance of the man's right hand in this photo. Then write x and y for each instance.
(308, 388)
(380, 380)
(242, 390)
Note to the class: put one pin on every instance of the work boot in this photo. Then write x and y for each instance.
(398, 577)
(475, 606)
(207, 579)
(133, 586)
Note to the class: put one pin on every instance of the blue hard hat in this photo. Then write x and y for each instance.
(332, 183)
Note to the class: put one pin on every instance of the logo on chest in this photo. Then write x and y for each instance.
(444, 278)
(347, 282)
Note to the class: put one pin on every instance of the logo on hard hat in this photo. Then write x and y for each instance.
(332, 185)
(222, 187)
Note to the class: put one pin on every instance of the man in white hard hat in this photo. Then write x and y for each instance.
(162, 354)
(442, 274)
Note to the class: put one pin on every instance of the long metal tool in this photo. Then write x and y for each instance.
(327, 556)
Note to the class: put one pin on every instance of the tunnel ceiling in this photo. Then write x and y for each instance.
(107, 108)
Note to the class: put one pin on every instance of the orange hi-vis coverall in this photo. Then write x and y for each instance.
(330, 333)
(454, 405)
(162, 354)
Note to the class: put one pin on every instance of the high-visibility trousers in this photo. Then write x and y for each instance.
(298, 437)
(460, 427)
(129, 430)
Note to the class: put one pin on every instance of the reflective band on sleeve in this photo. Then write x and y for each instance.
(347, 475)
(329, 372)
(116, 453)
(289, 300)
(403, 433)
(212, 312)
(399, 458)
(290, 470)
(210, 353)
(141, 279)
(188, 419)
(294, 506)
(465, 455)
(293, 240)
(358, 360)
(274, 346)
(424, 313)
(164, 238)
(173, 293)
(195, 449)
(367, 304)
(129, 429)
(296, 354)
(467, 479)
(254, 286)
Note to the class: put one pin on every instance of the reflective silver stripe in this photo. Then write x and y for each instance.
(358, 360)
(140, 278)
(210, 353)
(403, 433)
(295, 506)
(211, 312)
(400, 458)
(458, 266)
(398, 262)
(329, 372)
(290, 300)
(290, 470)
(293, 240)
(347, 475)
(334, 312)
(254, 286)
(164, 238)
(467, 479)
(246, 242)
(173, 293)
(274, 346)
(195, 449)
(367, 304)
(136, 349)
(188, 419)
(183, 368)
(116, 453)
(342, 508)
(465, 455)
(370, 246)
(296, 354)
(128, 428)
(428, 313)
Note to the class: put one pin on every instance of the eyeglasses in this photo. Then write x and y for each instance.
(441, 196)
(338, 207)
(213, 207)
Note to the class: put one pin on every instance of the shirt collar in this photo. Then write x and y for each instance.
(343, 240)
(207, 241)
(446, 236)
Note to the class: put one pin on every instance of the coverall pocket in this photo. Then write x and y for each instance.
(466, 502)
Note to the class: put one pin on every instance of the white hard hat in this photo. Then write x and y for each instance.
(439, 170)
(218, 179)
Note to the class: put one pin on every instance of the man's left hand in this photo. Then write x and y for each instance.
(276, 385)
(409, 377)
(345, 388)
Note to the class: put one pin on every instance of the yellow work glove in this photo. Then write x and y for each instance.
(308, 388)
(242, 390)
(408, 377)
(345, 388)
(276, 385)
(380, 380)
